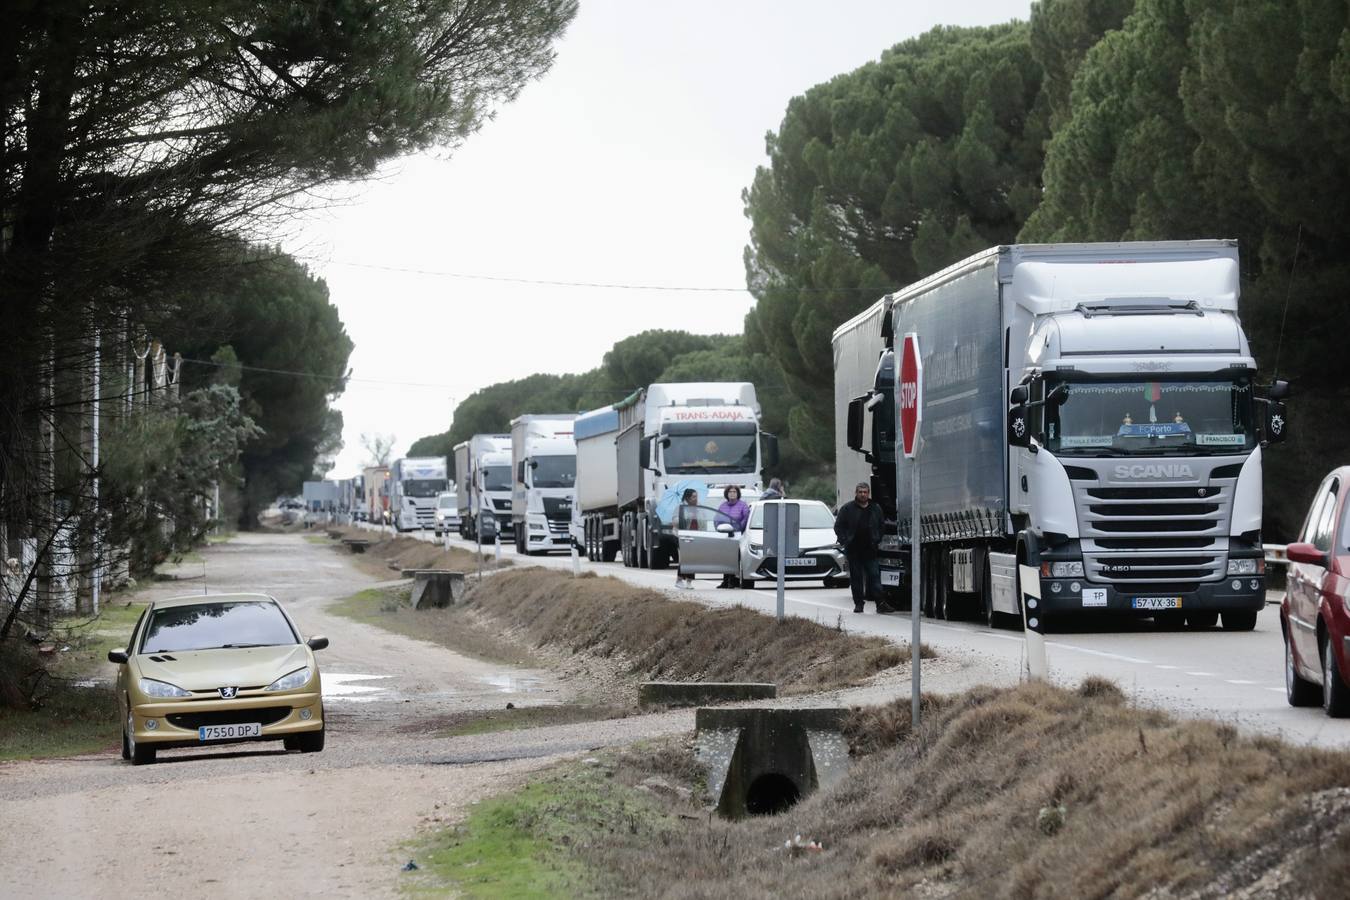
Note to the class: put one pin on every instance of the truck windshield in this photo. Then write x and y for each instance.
(1200, 417)
(423, 487)
(723, 453)
(554, 471)
(496, 478)
(446, 501)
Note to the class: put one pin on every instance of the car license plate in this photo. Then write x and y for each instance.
(799, 562)
(1156, 603)
(1094, 597)
(890, 578)
(229, 732)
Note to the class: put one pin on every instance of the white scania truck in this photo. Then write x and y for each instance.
(544, 463)
(1090, 411)
(629, 454)
(414, 483)
(483, 470)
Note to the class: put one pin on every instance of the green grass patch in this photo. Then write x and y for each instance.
(223, 538)
(72, 721)
(522, 844)
(89, 640)
(528, 717)
(318, 539)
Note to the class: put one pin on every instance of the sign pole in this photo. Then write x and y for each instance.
(782, 561)
(909, 397)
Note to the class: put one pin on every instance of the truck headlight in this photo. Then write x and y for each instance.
(291, 681)
(1248, 566)
(1073, 569)
(162, 690)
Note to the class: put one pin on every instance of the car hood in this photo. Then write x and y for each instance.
(206, 670)
(807, 538)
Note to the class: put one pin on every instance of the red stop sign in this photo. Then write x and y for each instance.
(910, 395)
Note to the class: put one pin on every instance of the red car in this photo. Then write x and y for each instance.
(1315, 614)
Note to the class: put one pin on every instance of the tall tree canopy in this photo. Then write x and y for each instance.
(878, 177)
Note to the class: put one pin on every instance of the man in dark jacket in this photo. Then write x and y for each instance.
(858, 527)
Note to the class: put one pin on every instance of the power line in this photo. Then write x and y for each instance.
(298, 374)
(605, 285)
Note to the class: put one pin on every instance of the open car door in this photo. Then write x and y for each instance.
(708, 542)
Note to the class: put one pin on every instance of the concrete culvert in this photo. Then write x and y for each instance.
(771, 794)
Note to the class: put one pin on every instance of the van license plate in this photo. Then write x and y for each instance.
(1094, 597)
(1156, 603)
(229, 732)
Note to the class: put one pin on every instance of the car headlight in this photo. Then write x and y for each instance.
(1243, 566)
(757, 549)
(162, 690)
(291, 681)
(1067, 569)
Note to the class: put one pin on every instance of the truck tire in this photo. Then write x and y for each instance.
(609, 550)
(1239, 620)
(1335, 692)
(1298, 690)
(986, 594)
(942, 587)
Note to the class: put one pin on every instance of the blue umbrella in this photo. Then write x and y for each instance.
(670, 500)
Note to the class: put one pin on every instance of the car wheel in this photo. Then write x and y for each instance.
(1298, 690)
(126, 747)
(310, 741)
(1335, 693)
(1239, 620)
(139, 754)
(1202, 621)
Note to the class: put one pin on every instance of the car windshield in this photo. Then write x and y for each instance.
(555, 471)
(1198, 417)
(723, 453)
(423, 487)
(210, 626)
(496, 478)
(814, 515)
(446, 501)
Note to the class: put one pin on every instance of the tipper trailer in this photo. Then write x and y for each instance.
(1090, 411)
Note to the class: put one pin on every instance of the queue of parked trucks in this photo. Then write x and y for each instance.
(1091, 412)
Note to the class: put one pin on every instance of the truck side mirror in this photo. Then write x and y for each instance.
(1019, 395)
(1276, 423)
(769, 449)
(1279, 390)
(857, 416)
(520, 471)
(1019, 428)
(645, 454)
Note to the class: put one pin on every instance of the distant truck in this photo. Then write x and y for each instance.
(544, 465)
(376, 480)
(629, 454)
(1090, 411)
(483, 468)
(414, 483)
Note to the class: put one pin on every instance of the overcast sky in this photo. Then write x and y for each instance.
(624, 164)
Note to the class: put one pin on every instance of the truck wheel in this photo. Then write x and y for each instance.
(609, 550)
(1239, 620)
(1335, 693)
(986, 595)
(942, 592)
(1202, 621)
(1298, 690)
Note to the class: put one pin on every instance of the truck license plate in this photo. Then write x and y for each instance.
(890, 578)
(1094, 597)
(229, 732)
(1156, 603)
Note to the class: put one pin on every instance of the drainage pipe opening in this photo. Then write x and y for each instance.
(770, 794)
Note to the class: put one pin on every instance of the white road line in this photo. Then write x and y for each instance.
(1161, 666)
(1240, 681)
(1201, 674)
(1276, 690)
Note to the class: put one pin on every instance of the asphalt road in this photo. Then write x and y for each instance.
(1236, 677)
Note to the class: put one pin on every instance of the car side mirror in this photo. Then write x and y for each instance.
(118, 656)
(318, 642)
(1303, 552)
(1019, 429)
(726, 528)
(1276, 422)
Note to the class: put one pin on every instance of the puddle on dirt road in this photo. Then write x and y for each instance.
(342, 686)
(513, 684)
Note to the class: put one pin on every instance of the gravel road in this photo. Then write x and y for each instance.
(240, 821)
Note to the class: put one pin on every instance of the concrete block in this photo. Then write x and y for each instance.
(695, 693)
(435, 588)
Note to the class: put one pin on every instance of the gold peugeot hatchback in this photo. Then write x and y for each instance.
(217, 669)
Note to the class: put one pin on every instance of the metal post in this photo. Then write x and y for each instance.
(782, 562)
(479, 554)
(576, 560)
(915, 579)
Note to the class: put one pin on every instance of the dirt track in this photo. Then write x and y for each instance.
(243, 822)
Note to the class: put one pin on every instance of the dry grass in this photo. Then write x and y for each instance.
(1022, 793)
(388, 554)
(652, 636)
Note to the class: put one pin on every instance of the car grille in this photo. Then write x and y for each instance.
(267, 715)
(1154, 536)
